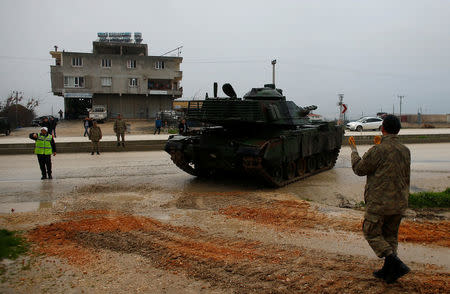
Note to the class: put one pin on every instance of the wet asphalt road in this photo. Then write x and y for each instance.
(21, 187)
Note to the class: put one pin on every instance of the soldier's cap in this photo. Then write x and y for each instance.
(44, 128)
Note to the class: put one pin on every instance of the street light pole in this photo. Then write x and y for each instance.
(401, 98)
(273, 71)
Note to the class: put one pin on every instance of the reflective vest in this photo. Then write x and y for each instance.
(43, 145)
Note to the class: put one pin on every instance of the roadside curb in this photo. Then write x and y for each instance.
(81, 147)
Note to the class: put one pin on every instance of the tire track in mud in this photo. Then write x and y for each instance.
(297, 215)
(239, 264)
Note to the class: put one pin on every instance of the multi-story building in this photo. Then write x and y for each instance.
(118, 73)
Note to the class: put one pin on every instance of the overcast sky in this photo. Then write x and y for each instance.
(371, 51)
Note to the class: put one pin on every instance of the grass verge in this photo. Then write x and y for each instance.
(11, 244)
(430, 199)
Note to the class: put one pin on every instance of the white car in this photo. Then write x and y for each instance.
(365, 123)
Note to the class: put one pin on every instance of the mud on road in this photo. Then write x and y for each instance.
(142, 239)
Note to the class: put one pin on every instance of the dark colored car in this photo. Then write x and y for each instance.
(5, 126)
(37, 121)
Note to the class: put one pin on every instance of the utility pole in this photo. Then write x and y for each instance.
(17, 102)
(273, 71)
(401, 98)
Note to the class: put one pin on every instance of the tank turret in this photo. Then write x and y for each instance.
(259, 134)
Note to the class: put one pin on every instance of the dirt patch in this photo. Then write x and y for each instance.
(245, 266)
(298, 215)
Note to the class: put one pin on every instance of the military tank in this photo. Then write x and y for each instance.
(260, 135)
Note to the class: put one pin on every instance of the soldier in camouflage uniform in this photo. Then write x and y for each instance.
(387, 167)
(95, 135)
(119, 128)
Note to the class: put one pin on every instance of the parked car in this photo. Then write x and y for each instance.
(37, 121)
(5, 126)
(365, 123)
(98, 113)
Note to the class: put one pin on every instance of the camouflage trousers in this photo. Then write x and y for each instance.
(120, 135)
(381, 232)
(95, 146)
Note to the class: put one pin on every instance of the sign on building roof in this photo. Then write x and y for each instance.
(120, 37)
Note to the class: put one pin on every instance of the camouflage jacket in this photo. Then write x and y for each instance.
(120, 126)
(387, 167)
(95, 134)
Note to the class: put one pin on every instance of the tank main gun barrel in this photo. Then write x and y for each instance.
(304, 111)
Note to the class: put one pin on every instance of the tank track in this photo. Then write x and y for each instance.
(254, 166)
(259, 170)
(179, 159)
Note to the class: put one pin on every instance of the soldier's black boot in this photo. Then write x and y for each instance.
(92, 153)
(50, 176)
(43, 177)
(395, 269)
(381, 273)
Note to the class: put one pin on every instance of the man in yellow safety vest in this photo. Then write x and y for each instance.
(44, 148)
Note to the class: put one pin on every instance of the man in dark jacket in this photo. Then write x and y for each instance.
(46, 123)
(52, 129)
(387, 167)
(183, 127)
(44, 148)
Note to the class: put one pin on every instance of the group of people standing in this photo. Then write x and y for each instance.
(182, 126)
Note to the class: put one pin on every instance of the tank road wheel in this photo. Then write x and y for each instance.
(321, 160)
(276, 173)
(311, 163)
(330, 158)
(301, 167)
(291, 168)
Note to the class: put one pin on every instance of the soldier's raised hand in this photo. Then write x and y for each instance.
(377, 140)
(352, 143)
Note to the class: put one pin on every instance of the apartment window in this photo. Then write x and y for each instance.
(106, 62)
(159, 65)
(77, 61)
(131, 63)
(106, 81)
(133, 82)
(73, 82)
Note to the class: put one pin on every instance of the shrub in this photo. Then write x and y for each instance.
(11, 244)
(430, 199)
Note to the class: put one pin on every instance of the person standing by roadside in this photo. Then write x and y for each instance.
(52, 123)
(44, 148)
(183, 127)
(46, 123)
(158, 125)
(87, 123)
(60, 114)
(120, 128)
(95, 135)
(387, 167)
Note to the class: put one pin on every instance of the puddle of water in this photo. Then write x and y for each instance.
(24, 206)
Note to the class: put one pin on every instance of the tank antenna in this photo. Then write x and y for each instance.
(273, 71)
